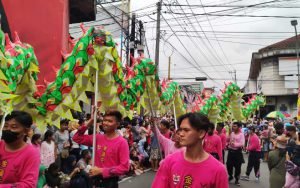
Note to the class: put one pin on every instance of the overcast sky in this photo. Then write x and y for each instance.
(214, 53)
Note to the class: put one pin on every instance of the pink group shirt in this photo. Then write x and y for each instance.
(223, 140)
(176, 172)
(167, 145)
(20, 168)
(112, 155)
(238, 141)
(213, 144)
(254, 143)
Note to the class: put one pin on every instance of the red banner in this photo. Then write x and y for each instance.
(44, 24)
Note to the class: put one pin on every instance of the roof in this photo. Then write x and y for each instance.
(285, 44)
(280, 49)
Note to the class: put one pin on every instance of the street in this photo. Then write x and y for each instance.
(146, 179)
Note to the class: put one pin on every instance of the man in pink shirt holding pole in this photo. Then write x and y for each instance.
(112, 151)
(194, 167)
(254, 155)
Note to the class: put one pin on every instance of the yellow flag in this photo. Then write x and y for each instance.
(84, 98)
(2, 76)
(4, 87)
(33, 68)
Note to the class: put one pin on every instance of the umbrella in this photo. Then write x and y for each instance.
(286, 114)
(275, 114)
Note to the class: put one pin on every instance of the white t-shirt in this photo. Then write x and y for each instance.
(47, 153)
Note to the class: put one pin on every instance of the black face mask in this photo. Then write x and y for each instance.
(9, 136)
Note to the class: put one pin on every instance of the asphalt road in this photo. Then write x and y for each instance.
(145, 180)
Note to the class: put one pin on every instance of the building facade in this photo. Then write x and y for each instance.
(273, 73)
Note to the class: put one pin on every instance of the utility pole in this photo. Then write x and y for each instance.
(169, 69)
(132, 37)
(233, 72)
(141, 43)
(157, 34)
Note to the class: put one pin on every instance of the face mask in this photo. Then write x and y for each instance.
(9, 136)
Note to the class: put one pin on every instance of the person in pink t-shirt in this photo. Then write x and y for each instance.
(235, 157)
(222, 134)
(194, 167)
(19, 161)
(212, 143)
(165, 128)
(254, 155)
(168, 146)
(112, 151)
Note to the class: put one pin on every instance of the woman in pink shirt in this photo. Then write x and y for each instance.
(19, 161)
(194, 167)
(212, 143)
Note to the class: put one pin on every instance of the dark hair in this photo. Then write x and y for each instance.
(239, 124)
(198, 121)
(35, 137)
(251, 128)
(48, 134)
(21, 117)
(221, 124)
(84, 153)
(68, 167)
(134, 121)
(81, 121)
(64, 121)
(88, 116)
(279, 128)
(165, 123)
(291, 128)
(114, 113)
(211, 126)
(53, 167)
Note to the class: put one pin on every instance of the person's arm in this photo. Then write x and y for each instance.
(30, 173)
(75, 171)
(55, 150)
(163, 141)
(123, 167)
(219, 148)
(81, 138)
(161, 179)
